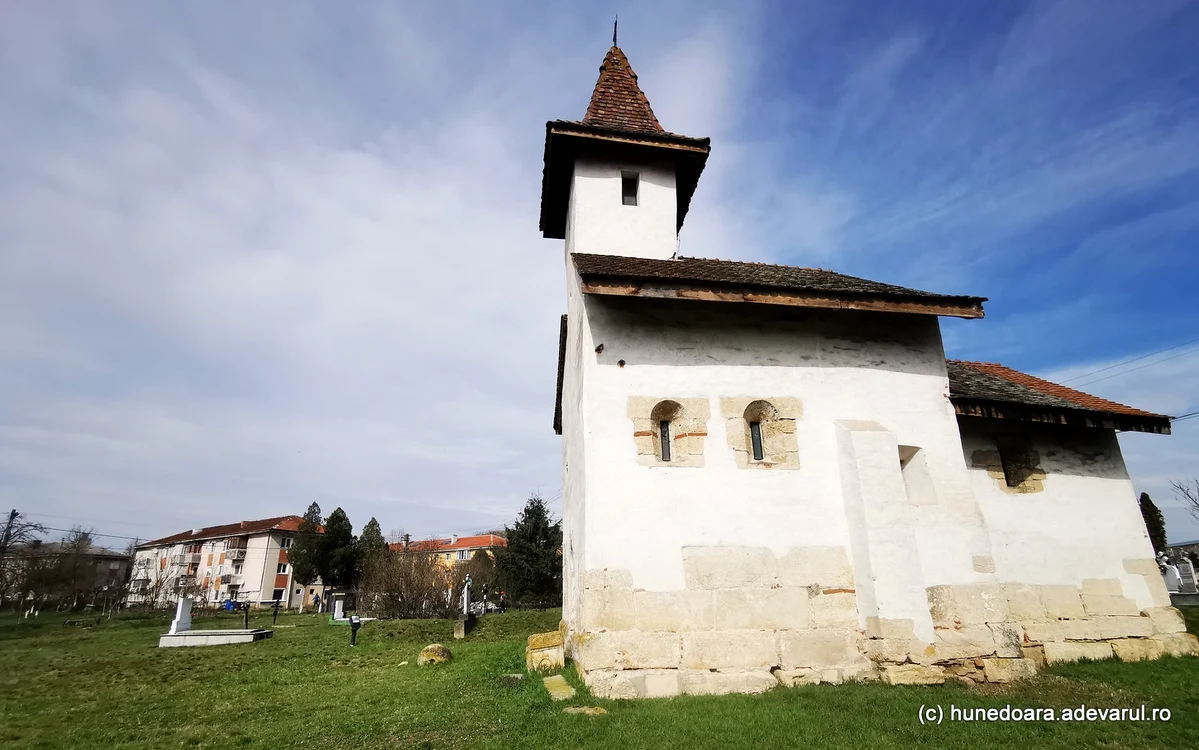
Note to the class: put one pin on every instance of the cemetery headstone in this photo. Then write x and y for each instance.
(183, 616)
(1173, 580)
(1186, 572)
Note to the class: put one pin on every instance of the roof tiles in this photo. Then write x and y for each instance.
(617, 101)
(242, 528)
(989, 381)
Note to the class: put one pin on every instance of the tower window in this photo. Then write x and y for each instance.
(664, 435)
(628, 188)
(755, 437)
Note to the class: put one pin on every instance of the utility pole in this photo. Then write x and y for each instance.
(12, 518)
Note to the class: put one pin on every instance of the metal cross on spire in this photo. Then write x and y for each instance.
(614, 23)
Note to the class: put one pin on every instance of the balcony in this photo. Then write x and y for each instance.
(231, 579)
(185, 558)
(184, 581)
(235, 553)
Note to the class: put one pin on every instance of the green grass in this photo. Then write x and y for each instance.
(111, 687)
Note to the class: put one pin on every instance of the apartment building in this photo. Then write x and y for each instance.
(455, 549)
(244, 561)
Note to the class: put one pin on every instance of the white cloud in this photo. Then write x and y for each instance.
(229, 288)
(250, 260)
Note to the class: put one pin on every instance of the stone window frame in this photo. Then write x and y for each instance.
(688, 418)
(992, 461)
(777, 417)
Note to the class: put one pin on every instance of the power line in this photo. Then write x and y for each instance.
(93, 533)
(1129, 361)
(1142, 367)
(88, 520)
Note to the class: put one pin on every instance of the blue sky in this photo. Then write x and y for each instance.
(256, 257)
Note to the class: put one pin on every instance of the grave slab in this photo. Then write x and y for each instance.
(212, 637)
(559, 689)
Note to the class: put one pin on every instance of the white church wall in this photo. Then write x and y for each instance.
(607, 226)
(574, 430)
(839, 365)
(1081, 524)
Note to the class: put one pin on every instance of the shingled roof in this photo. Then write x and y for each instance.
(727, 280)
(241, 528)
(617, 102)
(988, 389)
(619, 124)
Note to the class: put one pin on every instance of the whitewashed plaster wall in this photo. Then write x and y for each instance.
(1084, 522)
(574, 430)
(843, 365)
(599, 223)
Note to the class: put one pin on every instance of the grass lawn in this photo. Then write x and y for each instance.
(112, 687)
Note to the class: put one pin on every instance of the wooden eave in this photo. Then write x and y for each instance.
(565, 140)
(967, 407)
(787, 298)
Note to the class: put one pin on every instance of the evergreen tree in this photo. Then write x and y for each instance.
(1155, 523)
(306, 548)
(531, 564)
(339, 551)
(372, 547)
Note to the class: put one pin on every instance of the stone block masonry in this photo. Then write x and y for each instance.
(749, 619)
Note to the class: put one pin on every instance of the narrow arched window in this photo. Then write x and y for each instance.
(664, 417)
(755, 438)
(762, 445)
(669, 433)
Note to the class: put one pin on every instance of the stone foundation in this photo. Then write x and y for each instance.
(748, 621)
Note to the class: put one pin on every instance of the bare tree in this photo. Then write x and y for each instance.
(151, 582)
(76, 566)
(406, 584)
(16, 531)
(1188, 492)
(397, 535)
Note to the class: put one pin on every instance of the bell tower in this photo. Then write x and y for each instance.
(616, 182)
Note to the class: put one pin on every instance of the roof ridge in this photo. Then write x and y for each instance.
(236, 528)
(617, 101)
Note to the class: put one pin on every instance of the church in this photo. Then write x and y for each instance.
(772, 474)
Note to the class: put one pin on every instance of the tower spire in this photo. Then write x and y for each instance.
(617, 101)
(614, 23)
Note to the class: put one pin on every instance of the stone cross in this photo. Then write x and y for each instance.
(183, 616)
(466, 595)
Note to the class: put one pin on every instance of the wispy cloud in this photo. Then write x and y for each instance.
(251, 259)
